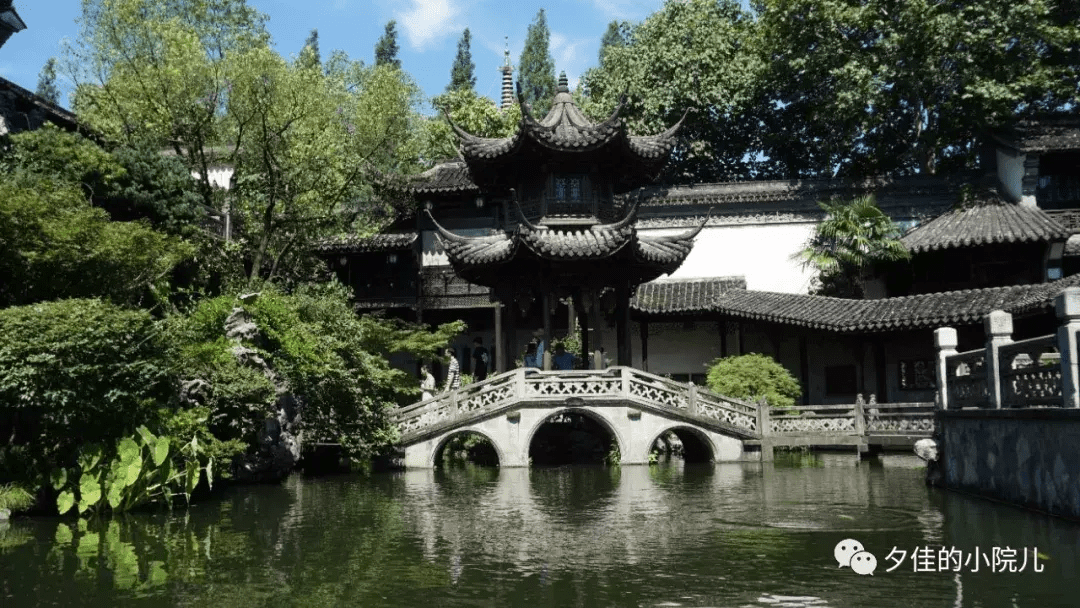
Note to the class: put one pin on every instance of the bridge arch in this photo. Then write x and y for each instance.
(445, 439)
(597, 415)
(697, 445)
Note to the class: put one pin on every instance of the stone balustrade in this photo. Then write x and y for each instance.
(1036, 372)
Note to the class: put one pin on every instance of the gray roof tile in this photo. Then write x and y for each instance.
(991, 222)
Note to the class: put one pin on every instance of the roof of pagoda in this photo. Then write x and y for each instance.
(567, 129)
(479, 258)
(990, 221)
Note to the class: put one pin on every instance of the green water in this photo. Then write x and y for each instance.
(729, 535)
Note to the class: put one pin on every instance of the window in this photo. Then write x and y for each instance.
(569, 188)
(917, 374)
(840, 380)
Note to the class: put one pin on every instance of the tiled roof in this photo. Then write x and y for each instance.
(567, 129)
(582, 244)
(453, 176)
(1043, 135)
(924, 311)
(366, 244)
(682, 295)
(984, 224)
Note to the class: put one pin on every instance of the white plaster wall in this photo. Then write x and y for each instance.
(1011, 174)
(760, 252)
(220, 177)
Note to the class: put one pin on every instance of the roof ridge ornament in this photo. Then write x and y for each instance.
(689, 234)
(521, 212)
(630, 218)
(444, 234)
(564, 85)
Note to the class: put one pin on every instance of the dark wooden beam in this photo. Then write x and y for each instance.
(643, 325)
(500, 341)
(622, 323)
(804, 369)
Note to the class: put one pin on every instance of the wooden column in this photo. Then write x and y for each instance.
(500, 340)
(622, 323)
(644, 326)
(722, 326)
(804, 369)
(546, 312)
(585, 352)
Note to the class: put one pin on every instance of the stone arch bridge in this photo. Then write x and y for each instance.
(635, 408)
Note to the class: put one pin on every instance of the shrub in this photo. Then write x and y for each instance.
(74, 372)
(753, 376)
(15, 498)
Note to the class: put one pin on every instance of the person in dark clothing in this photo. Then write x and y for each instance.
(481, 360)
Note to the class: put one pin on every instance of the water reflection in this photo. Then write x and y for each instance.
(697, 535)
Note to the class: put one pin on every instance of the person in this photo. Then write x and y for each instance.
(481, 360)
(427, 383)
(541, 344)
(453, 373)
(562, 359)
(530, 355)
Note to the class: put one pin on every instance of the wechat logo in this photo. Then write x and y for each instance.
(851, 553)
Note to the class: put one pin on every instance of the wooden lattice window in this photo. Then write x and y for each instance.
(917, 374)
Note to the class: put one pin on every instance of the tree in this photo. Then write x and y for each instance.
(46, 86)
(695, 55)
(476, 114)
(853, 237)
(309, 55)
(461, 74)
(752, 377)
(301, 142)
(618, 35)
(536, 69)
(387, 48)
(870, 87)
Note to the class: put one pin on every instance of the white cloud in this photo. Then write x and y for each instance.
(429, 20)
(568, 56)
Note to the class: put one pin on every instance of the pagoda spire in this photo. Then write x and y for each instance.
(507, 78)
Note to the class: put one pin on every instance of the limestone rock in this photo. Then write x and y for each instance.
(926, 449)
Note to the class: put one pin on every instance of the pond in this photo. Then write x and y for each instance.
(730, 535)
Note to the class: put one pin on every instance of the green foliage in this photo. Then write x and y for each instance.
(310, 57)
(473, 113)
(536, 68)
(74, 372)
(752, 377)
(15, 498)
(140, 469)
(853, 237)
(696, 55)
(387, 48)
(334, 361)
(863, 87)
(54, 244)
(462, 74)
(302, 141)
(46, 86)
(618, 35)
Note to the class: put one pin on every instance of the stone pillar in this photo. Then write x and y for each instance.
(999, 330)
(763, 431)
(585, 356)
(945, 341)
(1067, 306)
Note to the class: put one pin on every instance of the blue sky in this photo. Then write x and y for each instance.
(428, 31)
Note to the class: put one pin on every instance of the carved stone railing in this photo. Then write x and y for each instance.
(1037, 372)
(900, 419)
(967, 379)
(813, 420)
(1030, 373)
(612, 387)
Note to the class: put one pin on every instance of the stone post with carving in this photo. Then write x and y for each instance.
(1067, 306)
(999, 328)
(945, 341)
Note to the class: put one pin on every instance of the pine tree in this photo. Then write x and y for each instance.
(387, 49)
(462, 73)
(46, 86)
(309, 55)
(536, 70)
